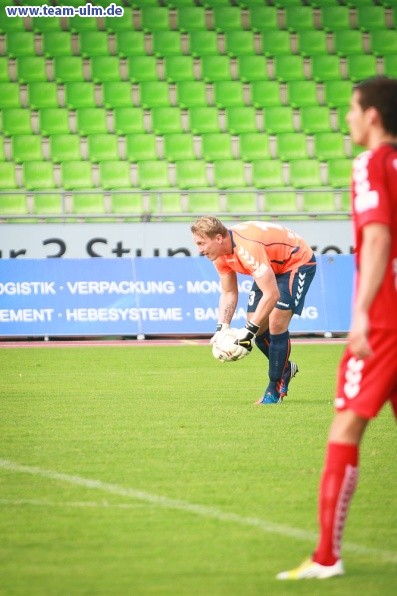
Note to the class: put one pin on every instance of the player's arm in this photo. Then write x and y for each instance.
(374, 257)
(229, 296)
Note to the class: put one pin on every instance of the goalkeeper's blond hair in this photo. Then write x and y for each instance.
(208, 226)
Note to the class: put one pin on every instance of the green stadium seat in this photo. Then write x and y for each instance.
(213, 3)
(216, 68)
(167, 43)
(80, 95)
(166, 120)
(16, 122)
(262, 18)
(102, 147)
(88, 203)
(279, 119)
(312, 43)
(140, 147)
(115, 174)
(154, 94)
(191, 94)
(38, 175)
(315, 119)
(9, 96)
(131, 203)
(47, 204)
(13, 204)
(339, 172)
(204, 120)
(228, 94)
(155, 18)
(129, 121)
(241, 202)
(201, 203)
(276, 43)
(227, 18)
(390, 65)
(318, 202)
(4, 74)
(286, 3)
(68, 69)
(94, 43)
(191, 173)
(167, 206)
(280, 202)
(117, 94)
(383, 42)
(26, 148)
(239, 43)
(302, 93)
(31, 69)
(123, 23)
(105, 68)
(44, 24)
(189, 19)
(216, 146)
(42, 95)
(229, 173)
(347, 43)
(65, 147)
(267, 173)
(179, 68)
(329, 145)
(299, 18)
(325, 68)
(179, 146)
(20, 43)
(7, 24)
(345, 201)
(130, 43)
(91, 121)
(57, 43)
(305, 173)
(142, 68)
(76, 175)
(54, 121)
(361, 67)
(240, 120)
(254, 145)
(7, 176)
(289, 68)
(203, 43)
(341, 113)
(265, 94)
(77, 24)
(335, 18)
(337, 93)
(370, 18)
(252, 68)
(291, 145)
(153, 174)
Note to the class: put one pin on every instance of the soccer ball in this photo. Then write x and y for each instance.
(224, 347)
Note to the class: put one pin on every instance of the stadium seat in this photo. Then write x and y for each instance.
(240, 120)
(94, 43)
(318, 202)
(335, 18)
(47, 204)
(4, 74)
(227, 18)
(166, 120)
(91, 121)
(142, 68)
(7, 176)
(105, 68)
(68, 68)
(80, 95)
(16, 121)
(189, 19)
(140, 147)
(31, 69)
(202, 120)
(315, 119)
(302, 93)
(122, 23)
(289, 68)
(76, 175)
(299, 18)
(229, 173)
(370, 18)
(312, 43)
(361, 67)
(239, 43)
(191, 173)
(325, 68)
(38, 175)
(254, 145)
(390, 65)
(153, 174)
(191, 94)
(383, 42)
(131, 203)
(9, 96)
(201, 203)
(84, 203)
(154, 94)
(117, 94)
(279, 119)
(280, 202)
(347, 43)
(57, 43)
(43, 24)
(339, 172)
(129, 120)
(337, 93)
(228, 94)
(267, 173)
(65, 147)
(305, 173)
(265, 94)
(203, 43)
(216, 68)
(26, 148)
(130, 43)
(20, 43)
(262, 18)
(77, 24)
(276, 43)
(53, 121)
(179, 68)
(102, 147)
(13, 204)
(14, 24)
(167, 43)
(216, 146)
(341, 113)
(167, 206)
(155, 18)
(252, 68)
(115, 174)
(241, 202)
(329, 145)
(291, 145)
(179, 146)
(42, 95)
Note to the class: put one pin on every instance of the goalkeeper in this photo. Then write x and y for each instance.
(282, 265)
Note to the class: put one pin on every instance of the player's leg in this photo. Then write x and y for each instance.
(280, 348)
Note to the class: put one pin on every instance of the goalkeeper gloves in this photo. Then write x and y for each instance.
(220, 328)
(246, 335)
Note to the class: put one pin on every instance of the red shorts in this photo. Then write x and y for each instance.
(364, 386)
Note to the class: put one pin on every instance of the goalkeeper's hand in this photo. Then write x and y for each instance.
(220, 328)
(245, 337)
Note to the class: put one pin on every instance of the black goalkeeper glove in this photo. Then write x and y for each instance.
(246, 335)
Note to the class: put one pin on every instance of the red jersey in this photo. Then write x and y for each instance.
(258, 246)
(374, 197)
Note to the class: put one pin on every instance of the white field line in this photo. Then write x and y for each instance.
(200, 510)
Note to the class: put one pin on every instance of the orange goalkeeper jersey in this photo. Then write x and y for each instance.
(259, 245)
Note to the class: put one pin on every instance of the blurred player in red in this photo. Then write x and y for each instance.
(282, 265)
(367, 376)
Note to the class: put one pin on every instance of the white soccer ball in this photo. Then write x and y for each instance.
(224, 347)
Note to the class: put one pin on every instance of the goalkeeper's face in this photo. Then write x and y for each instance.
(208, 247)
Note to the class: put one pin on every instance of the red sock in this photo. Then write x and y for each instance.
(338, 483)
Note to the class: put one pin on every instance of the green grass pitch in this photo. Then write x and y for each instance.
(149, 471)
